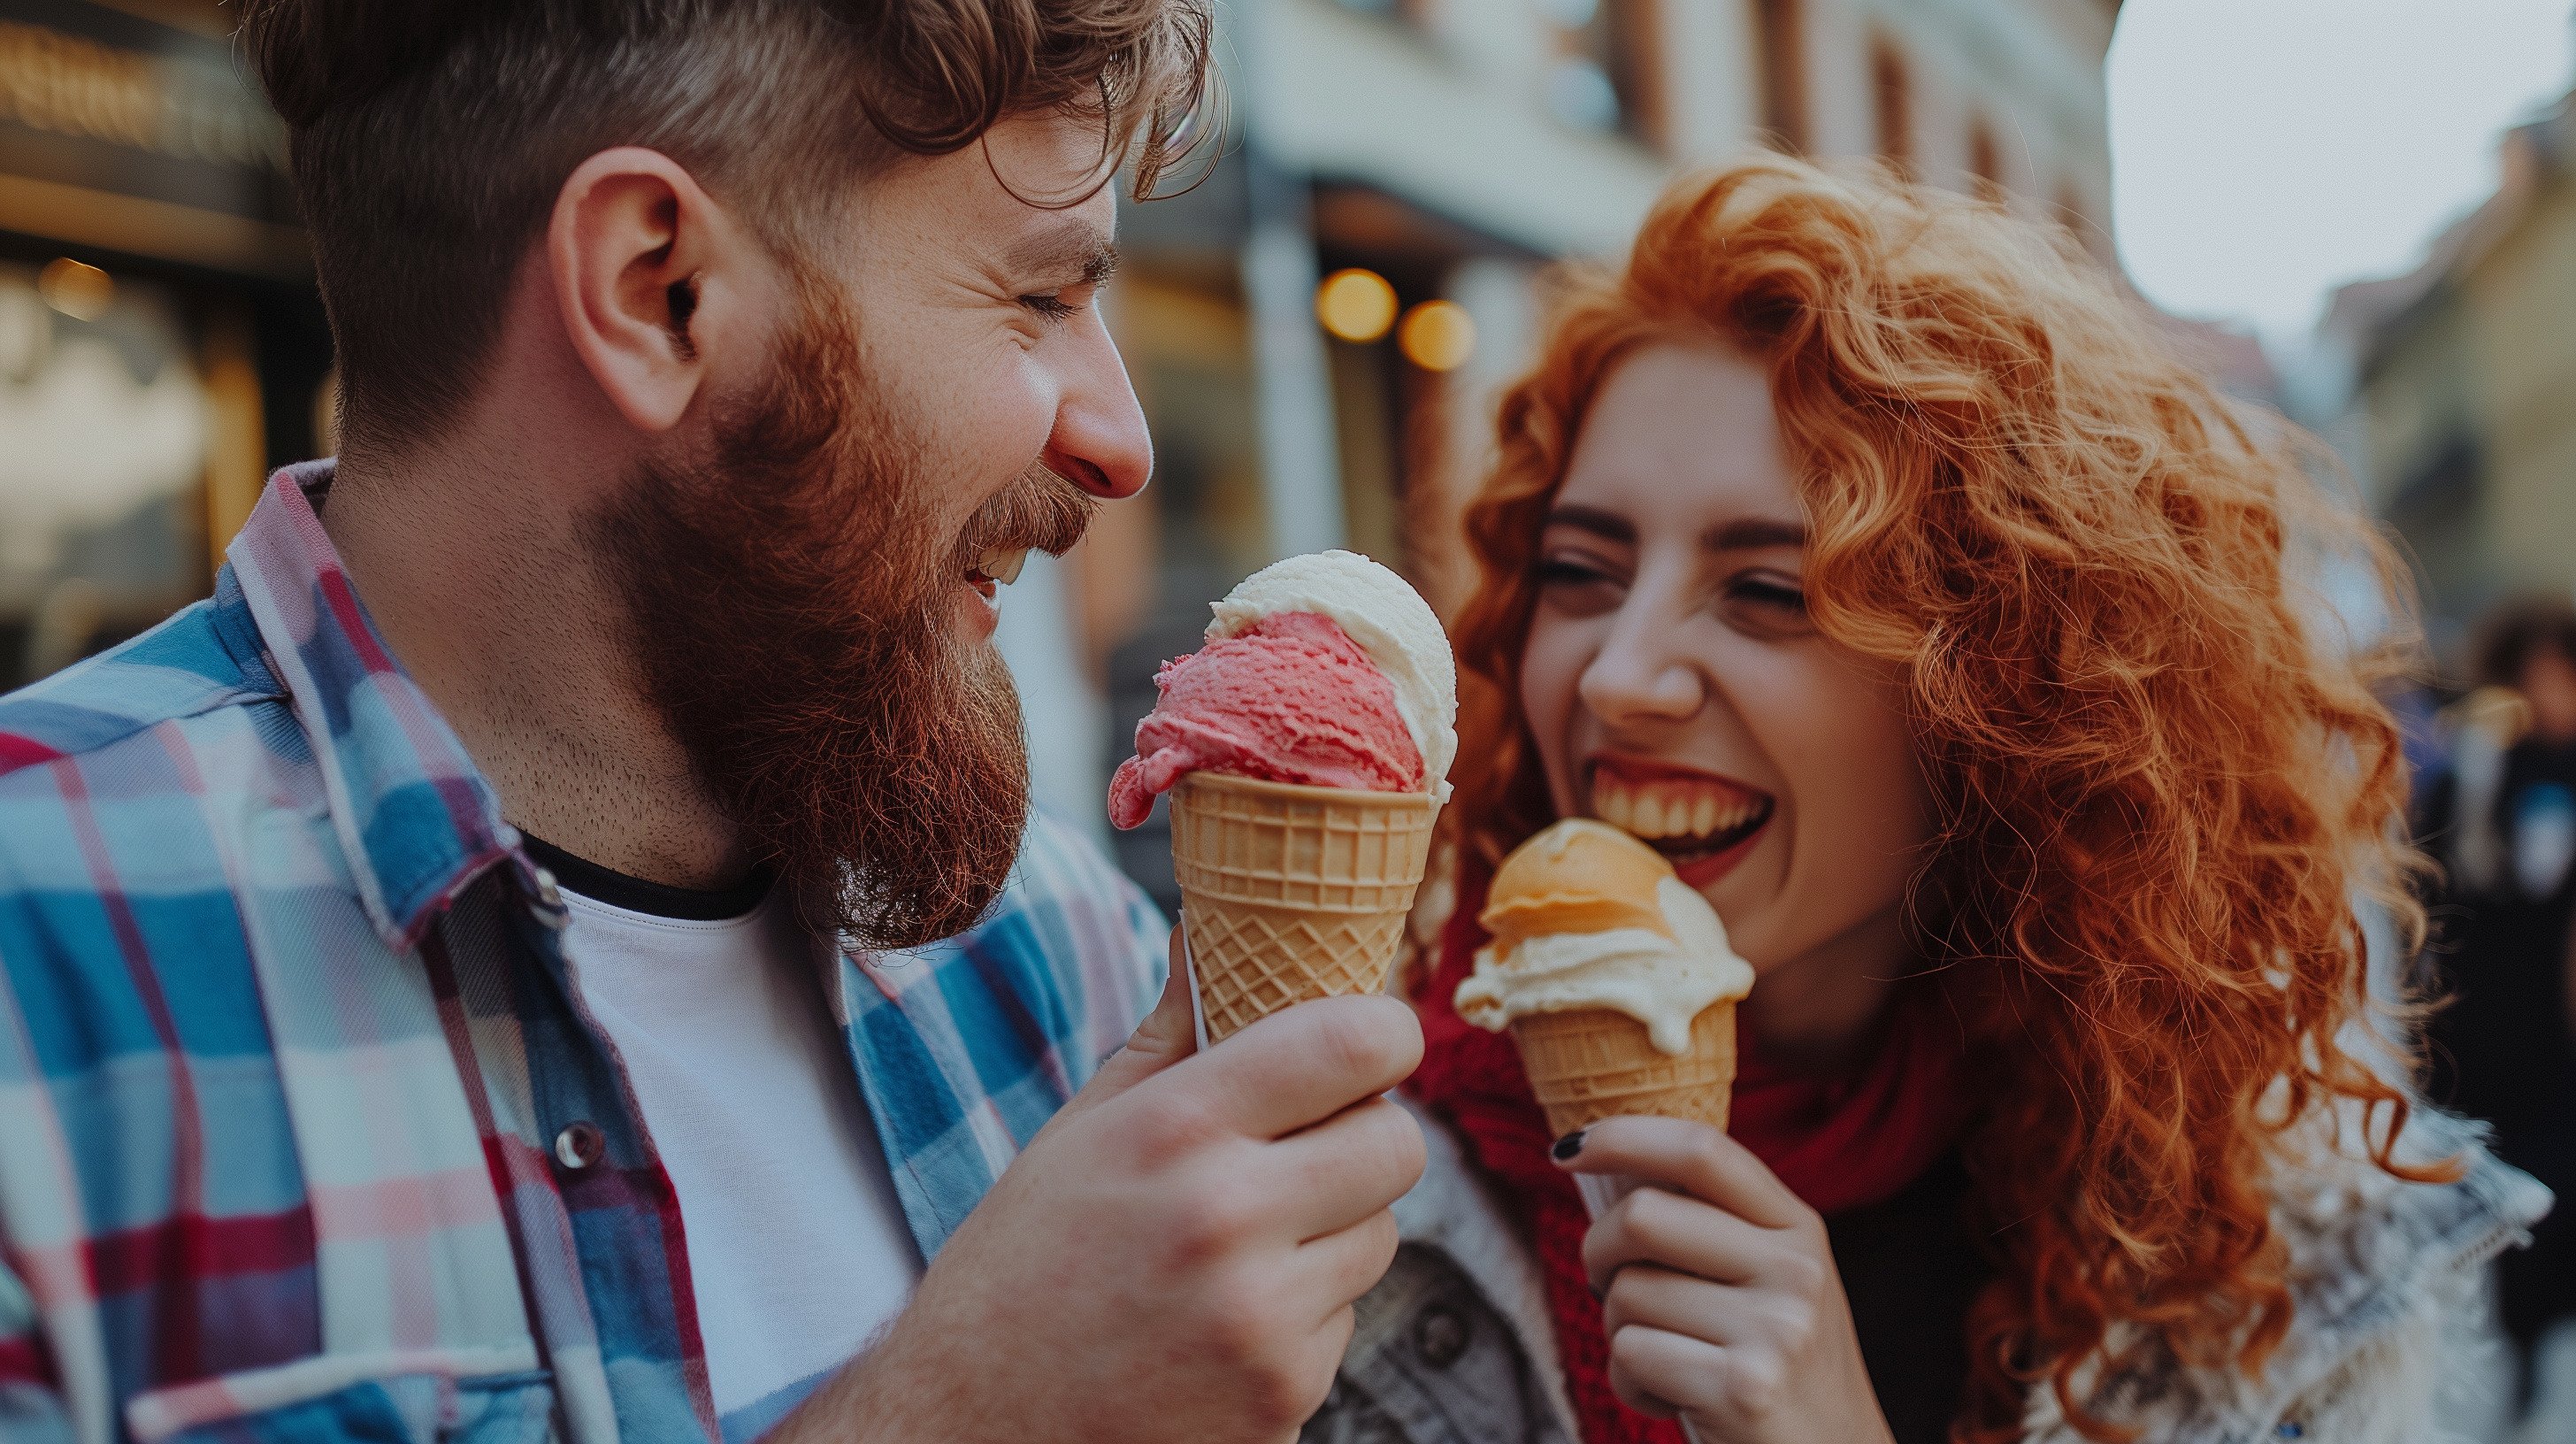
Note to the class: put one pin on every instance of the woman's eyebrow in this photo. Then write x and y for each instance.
(1752, 534)
(1610, 526)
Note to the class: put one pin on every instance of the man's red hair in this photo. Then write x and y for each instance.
(2161, 775)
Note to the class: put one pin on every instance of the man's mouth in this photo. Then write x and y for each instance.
(995, 569)
(1038, 511)
(1701, 822)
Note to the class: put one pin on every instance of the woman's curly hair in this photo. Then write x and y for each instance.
(2161, 775)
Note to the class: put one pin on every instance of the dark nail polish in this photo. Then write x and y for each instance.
(1568, 1146)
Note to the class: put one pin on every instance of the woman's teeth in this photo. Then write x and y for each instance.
(1679, 811)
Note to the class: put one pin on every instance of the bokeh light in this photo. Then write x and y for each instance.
(1437, 336)
(78, 291)
(1356, 305)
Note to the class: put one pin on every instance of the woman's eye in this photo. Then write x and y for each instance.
(1769, 592)
(1577, 585)
(1766, 603)
(1569, 571)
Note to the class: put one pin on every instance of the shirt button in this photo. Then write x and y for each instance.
(550, 903)
(580, 1145)
(1440, 1336)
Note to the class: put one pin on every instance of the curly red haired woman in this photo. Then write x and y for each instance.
(1869, 555)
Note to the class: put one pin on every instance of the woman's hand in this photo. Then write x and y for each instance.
(1721, 1301)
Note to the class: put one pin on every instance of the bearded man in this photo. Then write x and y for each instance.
(556, 946)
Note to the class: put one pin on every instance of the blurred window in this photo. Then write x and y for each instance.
(107, 427)
(1893, 86)
(1606, 75)
(1780, 40)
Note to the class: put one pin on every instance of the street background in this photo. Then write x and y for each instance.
(2360, 212)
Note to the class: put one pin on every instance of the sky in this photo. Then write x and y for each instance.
(2265, 151)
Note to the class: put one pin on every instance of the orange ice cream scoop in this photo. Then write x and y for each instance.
(1580, 876)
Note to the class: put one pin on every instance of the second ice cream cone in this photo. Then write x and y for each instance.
(1588, 1064)
(1614, 978)
(1290, 892)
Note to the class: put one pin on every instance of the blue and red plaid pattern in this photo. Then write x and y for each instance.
(286, 1042)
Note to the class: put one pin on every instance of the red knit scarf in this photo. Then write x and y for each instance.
(1839, 1143)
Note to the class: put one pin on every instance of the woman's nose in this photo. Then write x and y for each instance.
(1640, 675)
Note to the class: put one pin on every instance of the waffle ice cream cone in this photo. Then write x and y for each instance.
(1588, 1064)
(1291, 892)
(1614, 978)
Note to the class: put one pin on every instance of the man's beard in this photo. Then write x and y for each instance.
(791, 604)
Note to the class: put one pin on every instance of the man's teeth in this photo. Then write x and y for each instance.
(1003, 566)
(1671, 809)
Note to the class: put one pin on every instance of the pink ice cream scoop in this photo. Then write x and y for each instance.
(1290, 698)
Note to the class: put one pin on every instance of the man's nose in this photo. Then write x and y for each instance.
(1099, 442)
(1640, 674)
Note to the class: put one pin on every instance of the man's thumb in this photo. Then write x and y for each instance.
(1168, 1034)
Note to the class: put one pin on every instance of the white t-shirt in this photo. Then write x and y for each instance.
(798, 1250)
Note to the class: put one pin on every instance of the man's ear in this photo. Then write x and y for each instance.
(635, 248)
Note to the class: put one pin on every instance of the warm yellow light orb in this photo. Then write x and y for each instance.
(1355, 305)
(78, 291)
(1437, 336)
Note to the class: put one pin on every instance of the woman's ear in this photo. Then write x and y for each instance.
(636, 248)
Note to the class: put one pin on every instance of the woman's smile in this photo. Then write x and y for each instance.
(1703, 823)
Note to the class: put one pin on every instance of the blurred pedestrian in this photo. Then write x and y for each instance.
(2502, 821)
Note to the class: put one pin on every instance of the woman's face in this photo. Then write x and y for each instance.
(1678, 690)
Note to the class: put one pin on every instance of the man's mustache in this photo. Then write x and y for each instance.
(1038, 510)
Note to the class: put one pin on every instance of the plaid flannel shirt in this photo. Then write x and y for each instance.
(304, 1133)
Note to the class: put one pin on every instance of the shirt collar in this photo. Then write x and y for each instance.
(415, 819)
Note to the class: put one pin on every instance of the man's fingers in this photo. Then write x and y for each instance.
(1305, 1063)
(1653, 1226)
(1324, 1353)
(1168, 1034)
(1694, 1159)
(1347, 1167)
(1342, 1266)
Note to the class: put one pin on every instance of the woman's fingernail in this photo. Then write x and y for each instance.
(1568, 1146)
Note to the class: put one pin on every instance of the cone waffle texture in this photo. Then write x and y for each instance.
(1589, 1064)
(1290, 893)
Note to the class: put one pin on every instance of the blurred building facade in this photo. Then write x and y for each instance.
(160, 342)
(2461, 411)
(1320, 330)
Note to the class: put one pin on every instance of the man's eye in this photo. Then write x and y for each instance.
(1049, 308)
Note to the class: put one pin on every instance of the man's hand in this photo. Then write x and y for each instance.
(1174, 1256)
